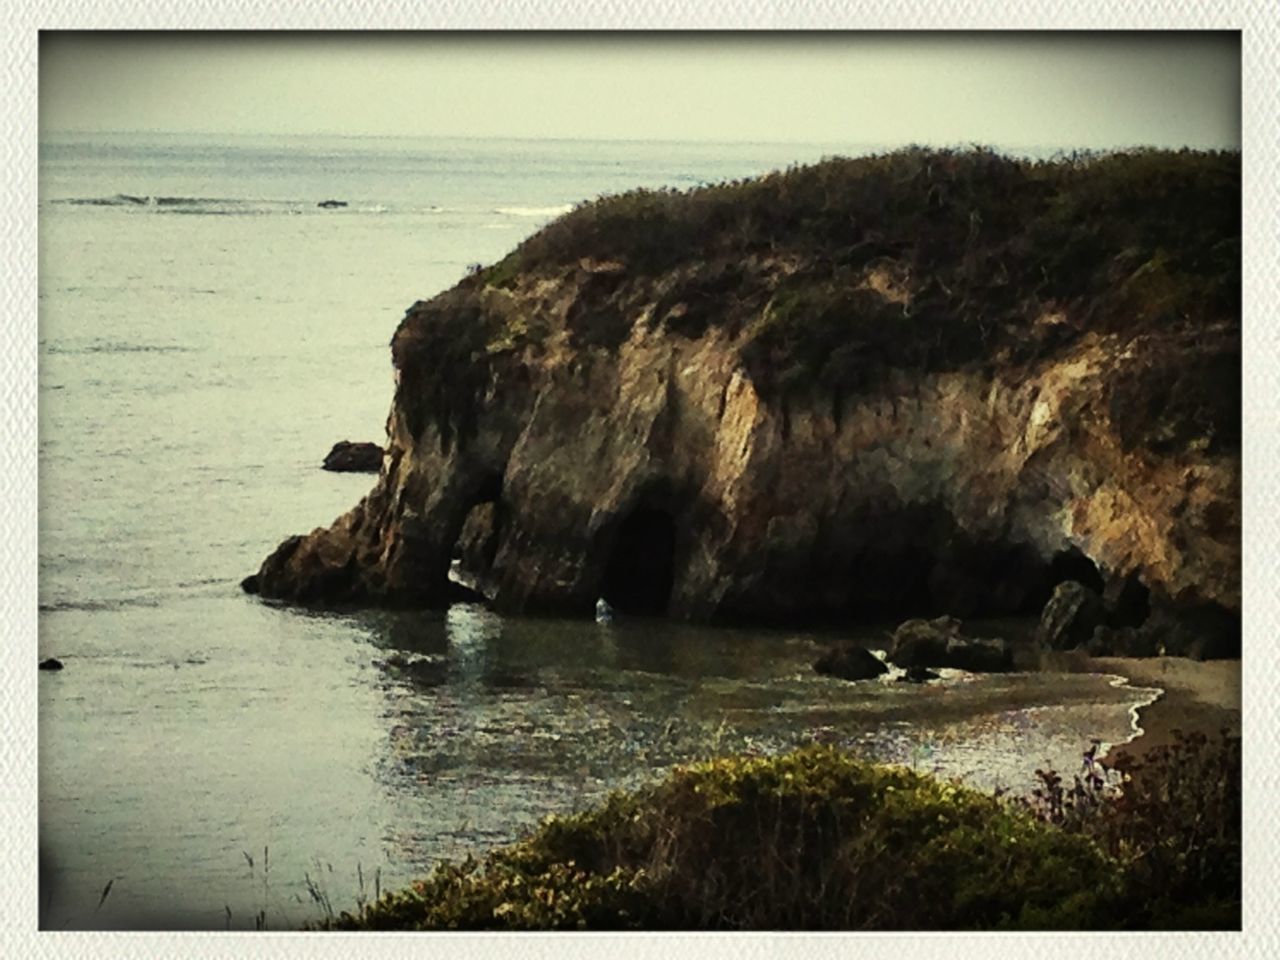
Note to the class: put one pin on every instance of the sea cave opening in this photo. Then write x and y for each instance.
(640, 571)
(476, 545)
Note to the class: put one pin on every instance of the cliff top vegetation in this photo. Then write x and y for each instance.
(833, 275)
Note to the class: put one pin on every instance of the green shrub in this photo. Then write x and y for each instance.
(814, 839)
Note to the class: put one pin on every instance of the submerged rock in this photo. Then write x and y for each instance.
(853, 390)
(421, 670)
(348, 457)
(850, 662)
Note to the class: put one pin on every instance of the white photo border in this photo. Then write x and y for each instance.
(24, 19)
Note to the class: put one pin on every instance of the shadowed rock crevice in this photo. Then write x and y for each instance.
(480, 529)
(640, 572)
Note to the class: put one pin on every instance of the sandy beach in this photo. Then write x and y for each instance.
(1198, 696)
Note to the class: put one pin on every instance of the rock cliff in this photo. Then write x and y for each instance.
(912, 384)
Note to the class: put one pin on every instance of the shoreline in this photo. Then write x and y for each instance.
(1196, 697)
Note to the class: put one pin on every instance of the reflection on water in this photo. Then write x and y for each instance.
(511, 719)
(184, 741)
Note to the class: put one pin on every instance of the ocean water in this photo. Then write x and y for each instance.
(207, 760)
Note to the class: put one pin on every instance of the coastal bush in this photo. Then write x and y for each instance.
(984, 247)
(814, 839)
(1127, 238)
(1174, 829)
(818, 839)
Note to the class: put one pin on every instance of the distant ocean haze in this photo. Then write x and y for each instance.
(207, 331)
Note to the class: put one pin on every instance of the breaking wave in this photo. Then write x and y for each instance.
(534, 211)
(221, 206)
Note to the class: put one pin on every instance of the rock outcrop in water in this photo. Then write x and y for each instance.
(914, 384)
(919, 644)
(348, 457)
(848, 661)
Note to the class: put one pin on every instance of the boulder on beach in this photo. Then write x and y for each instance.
(923, 643)
(940, 643)
(979, 655)
(848, 661)
(1122, 642)
(918, 675)
(1205, 633)
(348, 457)
(1070, 617)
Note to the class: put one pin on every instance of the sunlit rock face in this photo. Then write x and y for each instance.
(645, 434)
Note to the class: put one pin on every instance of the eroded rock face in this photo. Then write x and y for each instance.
(781, 512)
(619, 420)
(478, 541)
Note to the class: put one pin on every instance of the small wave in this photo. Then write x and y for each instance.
(210, 206)
(183, 589)
(116, 347)
(97, 606)
(130, 200)
(534, 211)
(1152, 695)
(203, 582)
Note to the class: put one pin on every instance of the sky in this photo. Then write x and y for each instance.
(1077, 90)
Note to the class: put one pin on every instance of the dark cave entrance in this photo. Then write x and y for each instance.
(480, 529)
(1072, 564)
(641, 569)
(915, 562)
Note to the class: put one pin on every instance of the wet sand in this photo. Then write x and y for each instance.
(1201, 697)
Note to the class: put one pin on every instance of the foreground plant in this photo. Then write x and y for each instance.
(1174, 828)
(814, 839)
(818, 839)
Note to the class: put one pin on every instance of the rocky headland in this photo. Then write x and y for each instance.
(909, 385)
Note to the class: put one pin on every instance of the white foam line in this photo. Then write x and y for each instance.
(534, 211)
(1156, 693)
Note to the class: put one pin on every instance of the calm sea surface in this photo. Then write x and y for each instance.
(207, 332)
